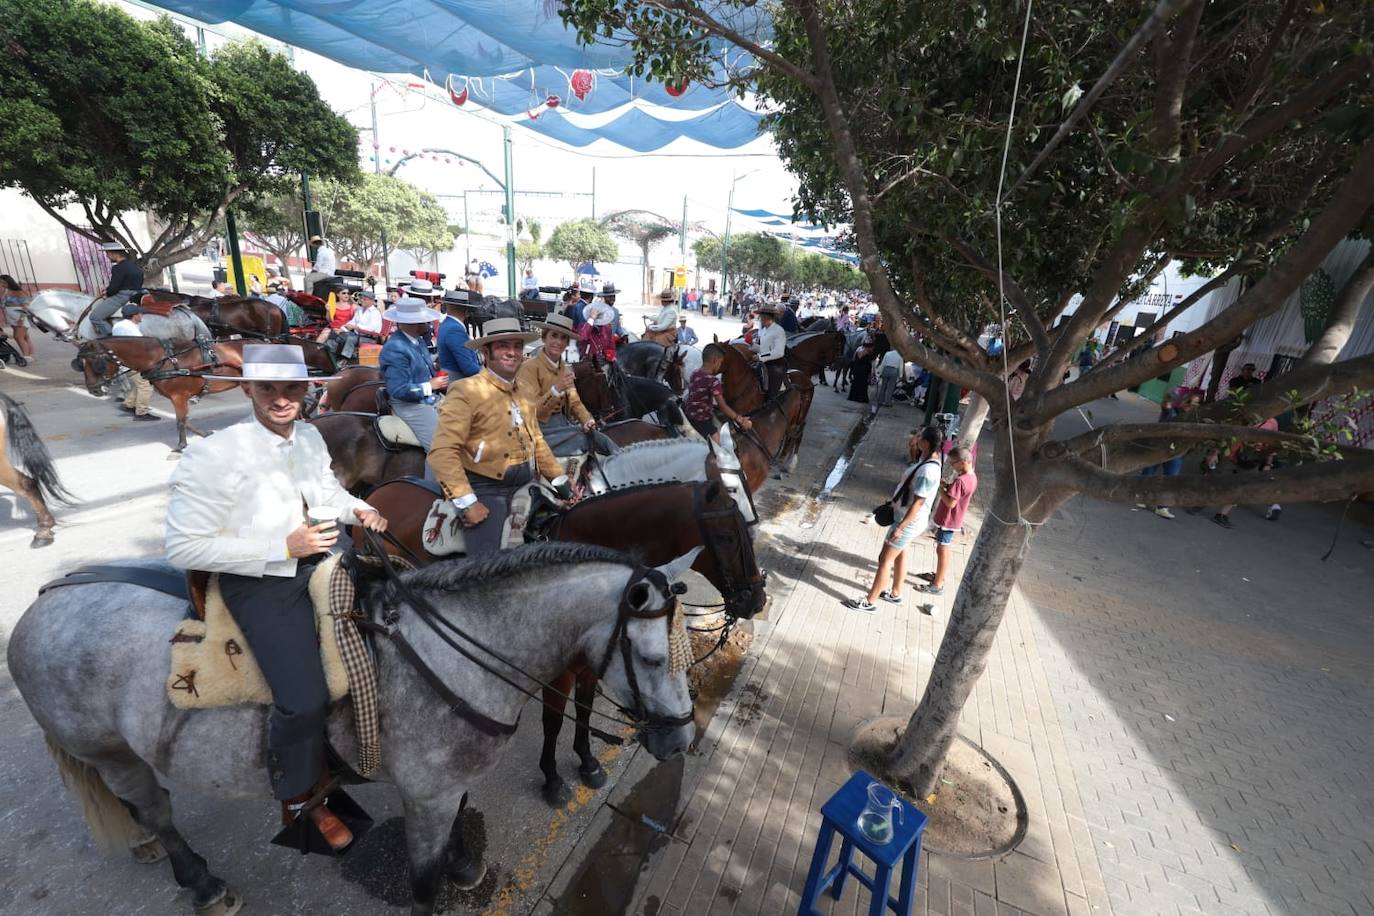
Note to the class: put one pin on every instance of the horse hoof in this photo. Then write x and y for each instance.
(228, 904)
(556, 794)
(40, 540)
(468, 876)
(148, 852)
(593, 777)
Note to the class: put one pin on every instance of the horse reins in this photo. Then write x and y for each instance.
(437, 624)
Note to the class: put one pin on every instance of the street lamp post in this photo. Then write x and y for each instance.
(725, 240)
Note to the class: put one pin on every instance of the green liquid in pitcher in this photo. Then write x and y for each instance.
(876, 827)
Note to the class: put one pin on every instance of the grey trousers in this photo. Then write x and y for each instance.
(887, 385)
(423, 420)
(495, 495)
(103, 309)
(278, 621)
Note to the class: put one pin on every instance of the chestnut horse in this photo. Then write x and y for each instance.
(40, 483)
(650, 521)
(814, 351)
(358, 388)
(227, 315)
(176, 370)
(361, 460)
(776, 434)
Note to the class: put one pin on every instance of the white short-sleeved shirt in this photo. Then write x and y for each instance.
(125, 328)
(924, 485)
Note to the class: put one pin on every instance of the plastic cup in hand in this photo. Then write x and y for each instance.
(323, 515)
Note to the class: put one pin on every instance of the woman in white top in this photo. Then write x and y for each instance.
(911, 505)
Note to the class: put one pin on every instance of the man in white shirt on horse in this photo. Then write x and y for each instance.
(238, 507)
(770, 343)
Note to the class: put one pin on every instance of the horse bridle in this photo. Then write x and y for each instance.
(637, 716)
(154, 373)
(702, 515)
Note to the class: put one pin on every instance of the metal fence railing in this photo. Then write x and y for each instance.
(16, 262)
(92, 266)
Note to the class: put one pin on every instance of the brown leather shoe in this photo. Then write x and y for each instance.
(334, 831)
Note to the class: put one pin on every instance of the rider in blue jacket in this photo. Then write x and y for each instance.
(408, 370)
(455, 357)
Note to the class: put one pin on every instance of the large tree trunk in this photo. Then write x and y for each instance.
(992, 569)
(974, 417)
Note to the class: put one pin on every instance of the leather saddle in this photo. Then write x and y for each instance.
(190, 585)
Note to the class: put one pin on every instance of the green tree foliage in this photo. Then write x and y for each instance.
(757, 257)
(114, 115)
(1224, 135)
(582, 241)
(527, 252)
(274, 222)
(646, 230)
(357, 216)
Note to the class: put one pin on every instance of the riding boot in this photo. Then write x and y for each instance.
(334, 831)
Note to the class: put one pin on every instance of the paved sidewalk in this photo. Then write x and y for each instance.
(750, 817)
(1186, 709)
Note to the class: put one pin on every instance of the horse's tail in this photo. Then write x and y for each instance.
(110, 822)
(32, 453)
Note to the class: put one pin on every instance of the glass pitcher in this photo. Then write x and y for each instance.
(875, 822)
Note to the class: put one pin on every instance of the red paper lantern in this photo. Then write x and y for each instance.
(677, 89)
(581, 83)
(458, 97)
(553, 101)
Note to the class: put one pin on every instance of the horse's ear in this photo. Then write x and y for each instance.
(715, 338)
(675, 568)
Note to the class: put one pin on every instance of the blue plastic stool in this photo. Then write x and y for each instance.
(841, 813)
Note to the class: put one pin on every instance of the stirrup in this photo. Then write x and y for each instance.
(302, 834)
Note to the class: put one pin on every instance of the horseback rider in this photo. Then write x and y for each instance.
(455, 357)
(607, 296)
(662, 329)
(321, 278)
(126, 280)
(408, 369)
(770, 343)
(238, 507)
(546, 379)
(586, 292)
(486, 447)
(595, 338)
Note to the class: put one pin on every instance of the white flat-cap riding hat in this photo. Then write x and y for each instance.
(112, 246)
(273, 363)
(499, 329)
(562, 324)
(409, 310)
(598, 314)
(422, 288)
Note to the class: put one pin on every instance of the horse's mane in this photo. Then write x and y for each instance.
(644, 462)
(631, 488)
(505, 564)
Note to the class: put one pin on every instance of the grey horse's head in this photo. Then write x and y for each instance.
(656, 689)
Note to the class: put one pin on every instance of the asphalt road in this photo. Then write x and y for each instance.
(119, 470)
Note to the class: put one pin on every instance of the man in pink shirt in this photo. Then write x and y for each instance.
(950, 507)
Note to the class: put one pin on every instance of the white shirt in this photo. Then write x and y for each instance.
(771, 342)
(237, 495)
(529, 283)
(326, 262)
(893, 360)
(368, 319)
(124, 327)
(924, 485)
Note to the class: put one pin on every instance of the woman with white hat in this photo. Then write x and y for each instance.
(488, 442)
(408, 370)
(546, 377)
(238, 506)
(596, 336)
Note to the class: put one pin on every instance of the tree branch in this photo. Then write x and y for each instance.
(1148, 29)
(1349, 204)
(870, 260)
(1316, 481)
(1020, 302)
(1260, 69)
(1340, 323)
(1173, 57)
(696, 14)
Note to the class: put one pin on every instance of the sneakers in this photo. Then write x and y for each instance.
(1141, 506)
(1163, 512)
(929, 577)
(146, 417)
(860, 604)
(1222, 520)
(931, 588)
(890, 598)
(1273, 513)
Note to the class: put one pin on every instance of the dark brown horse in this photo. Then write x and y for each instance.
(176, 370)
(38, 482)
(361, 460)
(738, 382)
(358, 388)
(595, 391)
(656, 522)
(813, 352)
(228, 315)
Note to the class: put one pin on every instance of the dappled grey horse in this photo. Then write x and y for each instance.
(91, 662)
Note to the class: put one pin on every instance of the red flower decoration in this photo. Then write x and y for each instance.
(581, 82)
(458, 97)
(553, 101)
(677, 89)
